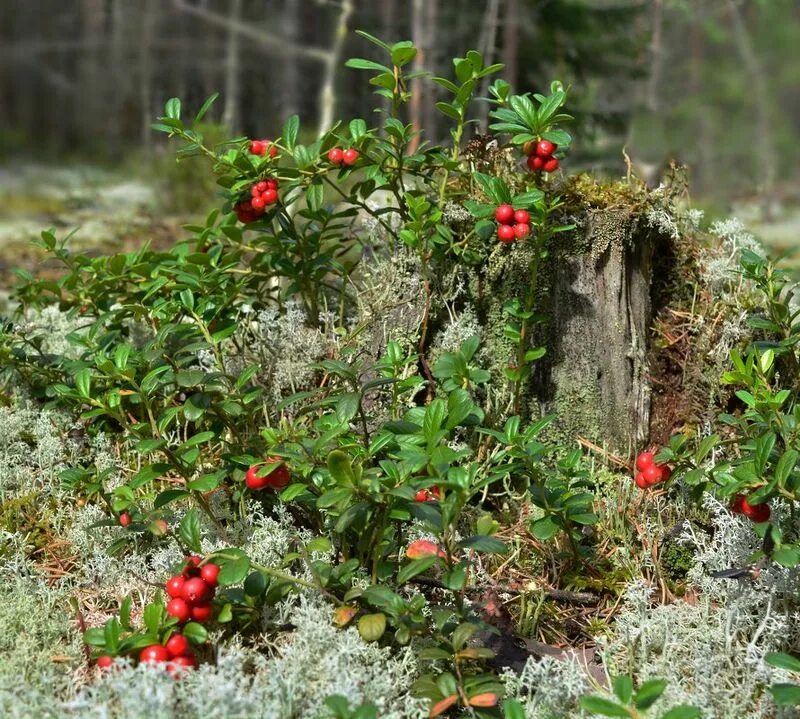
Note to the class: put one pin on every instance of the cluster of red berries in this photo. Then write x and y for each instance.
(175, 652)
(192, 590)
(540, 155)
(754, 512)
(434, 494)
(514, 225)
(278, 478)
(262, 194)
(649, 472)
(338, 156)
(261, 147)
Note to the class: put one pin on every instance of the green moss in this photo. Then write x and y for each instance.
(677, 559)
(27, 515)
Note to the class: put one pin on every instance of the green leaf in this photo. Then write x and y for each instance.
(603, 706)
(195, 633)
(682, 711)
(788, 555)
(235, 565)
(341, 468)
(359, 63)
(485, 544)
(623, 688)
(190, 377)
(372, 626)
(544, 528)
(290, 131)
(201, 113)
(255, 584)
(648, 693)
(412, 569)
(512, 709)
(173, 108)
(785, 694)
(189, 531)
(783, 661)
(83, 382)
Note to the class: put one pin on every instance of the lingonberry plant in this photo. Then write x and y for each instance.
(384, 458)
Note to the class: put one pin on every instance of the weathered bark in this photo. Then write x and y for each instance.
(594, 295)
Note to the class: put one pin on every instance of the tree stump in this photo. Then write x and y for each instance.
(594, 292)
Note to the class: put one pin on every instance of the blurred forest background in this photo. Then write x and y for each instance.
(714, 84)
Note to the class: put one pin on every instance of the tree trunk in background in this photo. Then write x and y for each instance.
(90, 70)
(656, 56)
(511, 32)
(766, 158)
(290, 94)
(705, 165)
(327, 95)
(230, 115)
(148, 23)
(116, 62)
(487, 46)
(422, 105)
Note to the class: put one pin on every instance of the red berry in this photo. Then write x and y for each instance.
(652, 475)
(258, 203)
(272, 184)
(104, 661)
(350, 157)
(179, 665)
(736, 504)
(258, 147)
(259, 187)
(270, 147)
(522, 217)
(545, 148)
(755, 512)
(505, 233)
(279, 477)
(245, 216)
(336, 155)
(187, 660)
(252, 480)
(125, 519)
(551, 165)
(529, 148)
(209, 573)
(195, 590)
(644, 460)
(154, 653)
(504, 214)
(174, 585)
(521, 231)
(535, 163)
(269, 196)
(641, 482)
(180, 609)
(202, 612)
(191, 566)
(177, 645)
(666, 471)
(421, 495)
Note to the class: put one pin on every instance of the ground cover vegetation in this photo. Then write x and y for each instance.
(274, 470)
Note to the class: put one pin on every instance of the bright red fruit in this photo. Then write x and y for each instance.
(269, 196)
(522, 217)
(641, 482)
(350, 157)
(545, 148)
(258, 147)
(177, 645)
(653, 475)
(209, 573)
(522, 230)
(666, 471)
(272, 184)
(258, 203)
(187, 660)
(644, 460)
(179, 665)
(253, 481)
(125, 519)
(202, 612)
(755, 512)
(504, 214)
(180, 609)
(259, 187)
(336, 155)
(105, 661)
(195, 590)
(428, 495)
(154, 653)
(174, 585)
(551, 165)
(271, 148)
(422, 548)
(505, 233)
(736, 504)
(535, 163)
